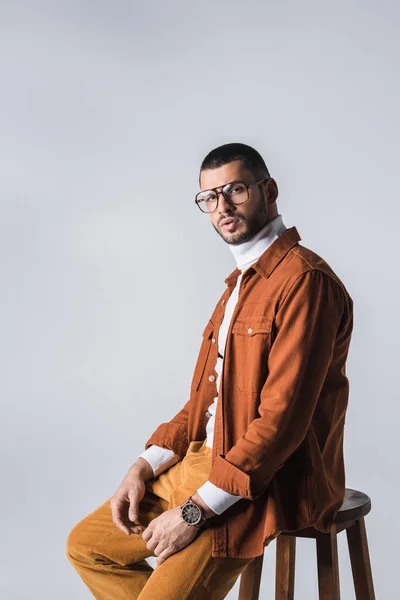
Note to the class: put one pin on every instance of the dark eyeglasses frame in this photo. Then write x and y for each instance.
(218, 192)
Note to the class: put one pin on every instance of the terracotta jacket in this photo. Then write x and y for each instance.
(279, 423)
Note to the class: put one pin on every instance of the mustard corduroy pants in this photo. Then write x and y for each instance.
(113, 565)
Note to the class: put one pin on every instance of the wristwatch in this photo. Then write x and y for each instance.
(193, 514)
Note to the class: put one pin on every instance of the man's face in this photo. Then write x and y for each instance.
(249, 217)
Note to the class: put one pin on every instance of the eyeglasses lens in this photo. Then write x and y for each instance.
(234, 192)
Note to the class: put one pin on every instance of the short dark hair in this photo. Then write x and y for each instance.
(249, 157)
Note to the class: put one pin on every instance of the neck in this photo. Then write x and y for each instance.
(248, 252)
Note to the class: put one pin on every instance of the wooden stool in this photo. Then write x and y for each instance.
(351, 518)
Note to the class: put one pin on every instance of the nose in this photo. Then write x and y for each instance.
(224, 205)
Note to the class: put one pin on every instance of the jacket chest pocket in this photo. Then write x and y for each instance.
(251, 339)
(203, 355)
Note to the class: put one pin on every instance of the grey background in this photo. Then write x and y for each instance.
(106, 111)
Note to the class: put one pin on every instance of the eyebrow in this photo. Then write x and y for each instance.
(224, 184)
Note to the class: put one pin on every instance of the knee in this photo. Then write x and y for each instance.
(75, 545)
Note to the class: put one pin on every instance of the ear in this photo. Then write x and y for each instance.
(271, 190)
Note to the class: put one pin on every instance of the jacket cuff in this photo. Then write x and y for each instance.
(230, 478)
(233, 480)
(159, 458)
(172, 436)
(216, 498)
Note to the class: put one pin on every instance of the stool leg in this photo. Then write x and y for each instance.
(328, 567)
(250, 579)
(285, 567)
(360, 561)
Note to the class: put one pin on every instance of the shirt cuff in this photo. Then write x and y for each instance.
(216, 498)
(159, 458)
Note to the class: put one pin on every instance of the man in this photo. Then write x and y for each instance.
(258, 446)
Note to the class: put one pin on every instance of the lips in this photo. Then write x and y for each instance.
(228, 221)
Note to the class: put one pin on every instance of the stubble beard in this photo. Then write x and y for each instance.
(252, 225)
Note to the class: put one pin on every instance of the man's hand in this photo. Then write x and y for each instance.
(125, 502)
(168, 533)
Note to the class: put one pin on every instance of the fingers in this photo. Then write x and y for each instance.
(119, 507)
(161, 548)
(136, 528)
(164, 555)
(133, 515)
(134, 510)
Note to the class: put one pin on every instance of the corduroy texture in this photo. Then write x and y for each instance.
(113, 565)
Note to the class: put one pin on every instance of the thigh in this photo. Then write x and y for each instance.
(193, 574)
(96, 537)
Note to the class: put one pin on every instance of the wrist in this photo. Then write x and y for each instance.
(207, 511)
(143, 469)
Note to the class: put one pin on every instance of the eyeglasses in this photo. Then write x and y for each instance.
(235, 192)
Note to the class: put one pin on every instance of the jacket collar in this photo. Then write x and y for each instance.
(271, 257)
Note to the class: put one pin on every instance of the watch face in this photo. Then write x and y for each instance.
(191, 514)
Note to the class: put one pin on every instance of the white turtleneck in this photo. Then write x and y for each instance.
(245, 254)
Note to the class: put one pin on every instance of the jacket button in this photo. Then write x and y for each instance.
(213, 340)
(211, 378)
(208, 414)
(249, 330)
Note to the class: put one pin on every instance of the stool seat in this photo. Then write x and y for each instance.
(355, 505)
(350, 517)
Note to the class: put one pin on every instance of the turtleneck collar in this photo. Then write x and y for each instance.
(248, 252)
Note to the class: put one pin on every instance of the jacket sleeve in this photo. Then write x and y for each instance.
(307, 324)
(173, 434)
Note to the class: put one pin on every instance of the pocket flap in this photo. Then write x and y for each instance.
(252, 325)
